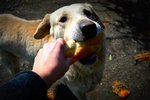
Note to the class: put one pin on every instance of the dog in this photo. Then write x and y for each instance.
(20, 39)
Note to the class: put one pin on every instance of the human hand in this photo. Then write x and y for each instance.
(50, 63)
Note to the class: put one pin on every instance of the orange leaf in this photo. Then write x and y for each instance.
(124, 93)
(142, 56)
(120, 89)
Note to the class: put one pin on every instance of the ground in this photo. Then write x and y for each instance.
(127, 33)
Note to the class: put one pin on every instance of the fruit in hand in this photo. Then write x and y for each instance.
(78, 50)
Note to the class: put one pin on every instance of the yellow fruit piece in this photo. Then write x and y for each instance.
(70, 48)
(78, 50)
(79, 47)
(71, 44)
(73, 48)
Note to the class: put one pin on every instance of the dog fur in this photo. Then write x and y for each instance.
(21, 39)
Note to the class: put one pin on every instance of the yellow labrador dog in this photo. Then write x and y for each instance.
(20, 40)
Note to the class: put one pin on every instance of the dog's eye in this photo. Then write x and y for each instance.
(87, 13)
(63, 19)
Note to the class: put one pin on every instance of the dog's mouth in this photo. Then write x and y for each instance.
(89, 59)
(86, 50)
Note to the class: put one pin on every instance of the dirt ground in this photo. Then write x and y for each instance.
(127, 34)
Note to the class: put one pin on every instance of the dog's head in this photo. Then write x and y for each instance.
(77, 21)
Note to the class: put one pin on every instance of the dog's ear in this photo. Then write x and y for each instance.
(43, 28)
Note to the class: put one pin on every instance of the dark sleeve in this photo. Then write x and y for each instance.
(26, 85)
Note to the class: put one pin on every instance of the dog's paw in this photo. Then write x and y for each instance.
(59, 91)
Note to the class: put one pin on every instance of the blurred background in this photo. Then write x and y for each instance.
(127, 34)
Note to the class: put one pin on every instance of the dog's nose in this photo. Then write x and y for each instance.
(88, 29)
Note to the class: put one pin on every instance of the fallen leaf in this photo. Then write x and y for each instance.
(120, 89)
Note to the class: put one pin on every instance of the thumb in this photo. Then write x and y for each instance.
(59, 47)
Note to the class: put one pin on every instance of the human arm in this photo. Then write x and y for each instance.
(49, 65)
(25, 85)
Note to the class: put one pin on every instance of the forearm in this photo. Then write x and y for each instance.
(26, 85)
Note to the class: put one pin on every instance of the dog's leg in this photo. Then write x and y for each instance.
(59, 91)
(9, 65)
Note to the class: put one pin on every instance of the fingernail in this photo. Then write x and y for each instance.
(59, 44)
(61, 41)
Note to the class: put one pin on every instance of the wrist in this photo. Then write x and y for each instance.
(46, 77)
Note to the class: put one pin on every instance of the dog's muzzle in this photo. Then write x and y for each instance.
(88, 29)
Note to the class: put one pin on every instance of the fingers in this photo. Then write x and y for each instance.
(60, 40)
(58, 49)
(54, 45)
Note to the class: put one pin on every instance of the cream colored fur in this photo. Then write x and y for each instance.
(21, 39)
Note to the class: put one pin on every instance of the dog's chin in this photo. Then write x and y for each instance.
(89, 59)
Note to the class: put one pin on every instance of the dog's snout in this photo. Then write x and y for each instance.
(88, 29)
